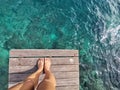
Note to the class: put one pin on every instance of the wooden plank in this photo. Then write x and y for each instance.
(65, 66)
(62, 82)
(42, 52)
(33, 61)
(70, 87)
(58, 75)
(67, 82)
(54, 68)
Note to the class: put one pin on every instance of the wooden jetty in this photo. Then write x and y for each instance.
(65, 66)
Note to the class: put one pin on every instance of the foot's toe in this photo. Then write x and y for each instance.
(47, 63)
(40, 63)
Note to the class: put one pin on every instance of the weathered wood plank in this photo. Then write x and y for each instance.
(71, 87)
(54, 68)
(58, 75)
(65, 66)
(42, 52)
(67, 82)
(63, 82)
(33, 61)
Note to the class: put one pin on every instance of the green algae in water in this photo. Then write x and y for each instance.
(3, 68)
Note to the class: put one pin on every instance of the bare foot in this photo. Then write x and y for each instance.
(40, 64)
(47, 64)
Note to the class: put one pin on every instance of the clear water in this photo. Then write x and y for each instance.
(92, 26)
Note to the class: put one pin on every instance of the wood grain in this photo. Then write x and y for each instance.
(62, 82)
(70, 87)
(42, 52)
(54, 68)
(33, 61)
(65, 66)
(58, 75)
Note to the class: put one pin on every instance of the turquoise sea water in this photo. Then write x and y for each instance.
(91, 26)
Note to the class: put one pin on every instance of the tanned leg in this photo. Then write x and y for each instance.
(31, 81)
(49, 82)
